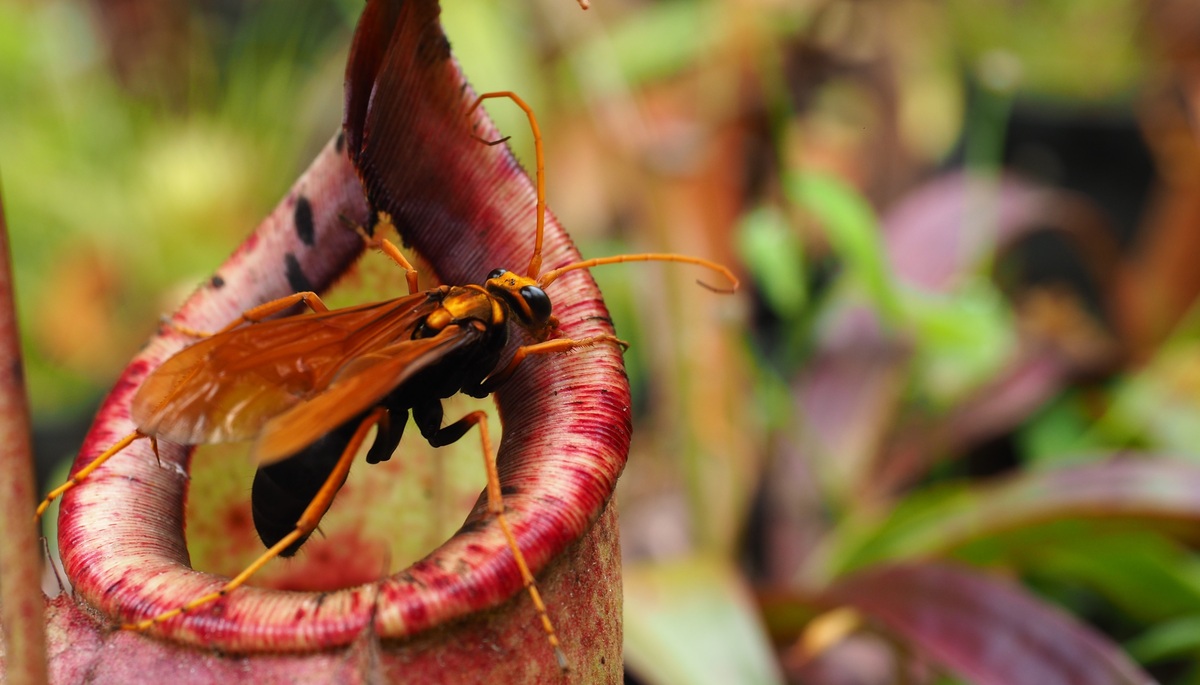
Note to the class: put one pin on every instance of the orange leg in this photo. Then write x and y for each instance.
(547, 347)
(305, 526)
(87, 470)
(309, 298)
(262, 311)
(496, 508)
(389, 248)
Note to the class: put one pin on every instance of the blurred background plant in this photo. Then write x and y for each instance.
(944, 434)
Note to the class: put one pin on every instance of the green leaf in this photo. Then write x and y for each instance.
(1148, 576)
(964, 338)
(694, 622)
(1178, 638)
(773, 251)
(940, 522)
(1161, 401)
(853, 230)
(1060, 431)
(659, 40)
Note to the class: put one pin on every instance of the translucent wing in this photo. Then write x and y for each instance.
(228, 386)
(361, 384)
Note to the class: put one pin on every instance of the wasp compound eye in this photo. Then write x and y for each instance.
(497, 273)
(537, 301)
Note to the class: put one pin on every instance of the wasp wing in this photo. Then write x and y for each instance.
(228, 386)
(360, 385)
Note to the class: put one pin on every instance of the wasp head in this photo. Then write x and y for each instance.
(525, 298)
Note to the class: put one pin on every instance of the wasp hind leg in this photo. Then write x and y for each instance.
(428, 418)
(86, 471)
(304, 527)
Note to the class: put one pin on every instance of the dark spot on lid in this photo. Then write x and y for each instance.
(303, 216)
(295, 274)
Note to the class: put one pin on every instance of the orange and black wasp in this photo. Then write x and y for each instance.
(308, 388)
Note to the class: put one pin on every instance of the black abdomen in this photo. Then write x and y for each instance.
(283, 490)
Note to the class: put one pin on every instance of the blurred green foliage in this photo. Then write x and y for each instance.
(118, 201)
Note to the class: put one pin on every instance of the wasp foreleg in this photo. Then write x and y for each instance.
(86, 471)
(497, 378)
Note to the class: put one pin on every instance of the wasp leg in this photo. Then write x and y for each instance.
(389, 248)
(304, 527)
(87, 470)
(428, 418)
(257, 314)
(498, 378)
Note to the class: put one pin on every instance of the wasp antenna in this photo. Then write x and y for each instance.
(550, 276)
(535, 263)
(721, 291)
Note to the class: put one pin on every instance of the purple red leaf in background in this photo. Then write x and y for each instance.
(993, 633)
